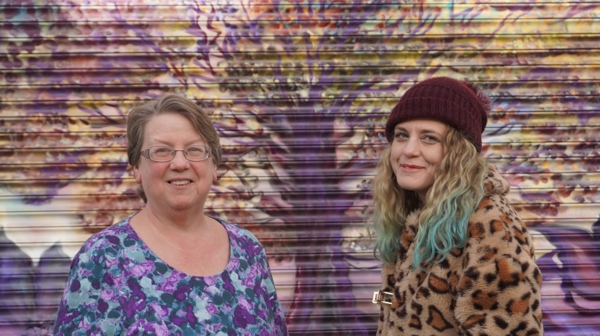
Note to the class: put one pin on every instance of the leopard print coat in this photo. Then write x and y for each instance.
(491, 286)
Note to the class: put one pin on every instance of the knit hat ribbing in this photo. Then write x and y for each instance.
(444, 99)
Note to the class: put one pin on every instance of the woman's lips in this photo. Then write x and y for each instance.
(180, 182)
(411, 167)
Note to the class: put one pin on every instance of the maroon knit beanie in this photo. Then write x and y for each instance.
(459, 104)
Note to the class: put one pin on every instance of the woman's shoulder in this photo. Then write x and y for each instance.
(494, 217)
(243, 242)
(237, 231)
(496, 226)
(99, 254)
(111, 237)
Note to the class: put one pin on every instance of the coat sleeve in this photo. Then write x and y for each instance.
(499, 287)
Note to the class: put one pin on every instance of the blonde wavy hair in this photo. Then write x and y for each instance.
(456, 191)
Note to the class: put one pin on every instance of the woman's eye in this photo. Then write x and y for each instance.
(196, 149)
(163, 150)
(430, 138)
(400, 135)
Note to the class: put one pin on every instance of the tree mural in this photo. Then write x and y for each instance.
(318, 127)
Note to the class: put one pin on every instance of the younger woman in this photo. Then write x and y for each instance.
(458, 260)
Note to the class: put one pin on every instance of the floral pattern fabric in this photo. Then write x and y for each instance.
(118, 286)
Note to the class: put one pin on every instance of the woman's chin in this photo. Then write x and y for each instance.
(177, 203)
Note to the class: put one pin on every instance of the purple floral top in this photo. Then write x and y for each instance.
(118, 286)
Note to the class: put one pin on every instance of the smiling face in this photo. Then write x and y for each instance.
(179, 184)
(416, 152)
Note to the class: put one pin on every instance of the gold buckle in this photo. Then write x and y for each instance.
(379, 297)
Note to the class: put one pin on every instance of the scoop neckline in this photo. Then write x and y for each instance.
(173, 269)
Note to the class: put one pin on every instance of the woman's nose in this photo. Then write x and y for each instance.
(412, 147)
(179, 160)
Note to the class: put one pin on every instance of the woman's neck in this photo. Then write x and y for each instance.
(175, 221)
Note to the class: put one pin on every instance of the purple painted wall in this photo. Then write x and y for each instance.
(299, 91)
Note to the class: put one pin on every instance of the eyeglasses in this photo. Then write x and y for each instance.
(166, 154)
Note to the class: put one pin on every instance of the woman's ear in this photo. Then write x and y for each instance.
(214, 173)
(136, 175)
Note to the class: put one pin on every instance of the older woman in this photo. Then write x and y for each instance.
(170, 269)
(458, 260)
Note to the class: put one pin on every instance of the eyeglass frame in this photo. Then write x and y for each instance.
(146, 153)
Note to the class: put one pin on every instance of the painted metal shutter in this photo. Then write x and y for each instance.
(299, 92)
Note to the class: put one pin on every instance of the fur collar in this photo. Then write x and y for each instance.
(494, 183)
